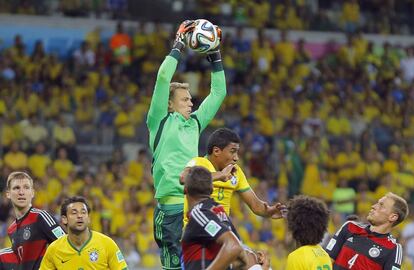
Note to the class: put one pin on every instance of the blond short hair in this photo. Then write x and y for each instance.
(400, 207)
(176, 85)
(18, 176)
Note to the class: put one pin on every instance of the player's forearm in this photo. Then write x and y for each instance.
(159, 101)
(213, 101)
(228, 253)
(218, 176)
(218, 84)
(259, 208)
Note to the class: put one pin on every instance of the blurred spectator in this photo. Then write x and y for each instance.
(39, 161)
(408, 237)
(131, 255)
(33, 132)
(84, 56)
(350, 15)
(344, 199)
(285, 50)
(15, 158)
(64, 136)
(119, 8)
(120, 45)
(75, 8)
(407, 65)
(62, 165)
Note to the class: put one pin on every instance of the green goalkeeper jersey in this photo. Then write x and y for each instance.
(173, 139)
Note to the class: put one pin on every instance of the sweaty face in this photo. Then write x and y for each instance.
(382, 212)
(227, 155)
(77, 217)
(181, 102)
(21, 193)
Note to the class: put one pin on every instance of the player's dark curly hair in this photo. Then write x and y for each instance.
(221, 138)
(307, 219)
(74, 199)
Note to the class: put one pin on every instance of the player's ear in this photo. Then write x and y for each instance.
(64, 220)
(393, 217)
(216, 150)
(8, 194)
(170, 105)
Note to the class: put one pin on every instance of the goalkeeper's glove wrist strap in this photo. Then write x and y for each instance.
(215, 59)
(217, 66)
(178, 47)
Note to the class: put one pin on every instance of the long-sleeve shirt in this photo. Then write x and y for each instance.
(174, 139)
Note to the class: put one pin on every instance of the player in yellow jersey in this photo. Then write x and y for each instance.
(81, 248)
(222, 148)
(307, 221)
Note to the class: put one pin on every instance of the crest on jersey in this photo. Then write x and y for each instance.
(233, 180)
(26, 233)
(374, 252)
(93, 255)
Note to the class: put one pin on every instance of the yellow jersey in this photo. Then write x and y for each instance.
(309, 257)
(222, 191)
(100, 252)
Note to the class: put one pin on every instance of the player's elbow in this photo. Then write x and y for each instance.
(235, 249)
(163, 76)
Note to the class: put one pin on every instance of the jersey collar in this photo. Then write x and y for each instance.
(25, 215)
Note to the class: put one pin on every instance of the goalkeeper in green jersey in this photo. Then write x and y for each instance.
(174, 132)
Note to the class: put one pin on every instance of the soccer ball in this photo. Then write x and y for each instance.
(204, 37)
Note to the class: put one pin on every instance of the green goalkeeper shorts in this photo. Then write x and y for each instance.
(167, 234)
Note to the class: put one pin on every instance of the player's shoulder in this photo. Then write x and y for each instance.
(12, 227)
(201, 212)
(394, 241)
(353, 227)
(101, 238)
(43, 214)
(241, 177)
(200, 161)
(59, 242)
(239, 170)
(308, 252)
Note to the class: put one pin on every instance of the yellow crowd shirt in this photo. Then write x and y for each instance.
(222, 191)
(309, 257)
(99, 252)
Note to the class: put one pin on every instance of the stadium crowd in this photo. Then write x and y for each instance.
(369, 16)
(339, 128)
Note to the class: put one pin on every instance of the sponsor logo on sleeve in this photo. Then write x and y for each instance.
(212, 228)
(119, 256)
(58, 232)
(331, 244)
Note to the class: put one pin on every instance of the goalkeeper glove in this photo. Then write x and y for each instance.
(185, 27)
(214, 56)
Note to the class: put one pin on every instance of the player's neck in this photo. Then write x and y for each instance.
(382, 229)
(20, 212)
(216, 167)
(192, 201)
(79, 240)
